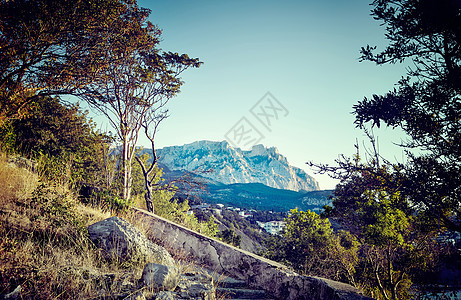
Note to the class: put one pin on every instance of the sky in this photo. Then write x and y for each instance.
(284, 74)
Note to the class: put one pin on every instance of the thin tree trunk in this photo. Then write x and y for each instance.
(390, 273)
(148, 196)
(106, 165)
(380, 286)
(126, 165)
(149, 202)
(124, 170)
(375, 264)
(147, 184)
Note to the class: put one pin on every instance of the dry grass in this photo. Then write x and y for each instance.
(45, 246)
(15, 182)
(91, 214)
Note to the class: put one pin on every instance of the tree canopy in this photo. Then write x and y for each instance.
(53, 47)
(309, 245)
(62, 137)
(396, 210)
(132, 91)
(426, 103)
(396, 238)
(104, 51)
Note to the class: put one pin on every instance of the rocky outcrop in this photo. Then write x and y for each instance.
(257, 272)
(122, 241)
(118, 238)
(164, 296)
(164, 282)
(22, 162)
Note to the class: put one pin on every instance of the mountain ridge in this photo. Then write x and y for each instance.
(231, 165)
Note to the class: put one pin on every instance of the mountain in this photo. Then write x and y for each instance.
(229, 165)
(246, 195)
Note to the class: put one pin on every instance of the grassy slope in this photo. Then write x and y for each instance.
(45, 246)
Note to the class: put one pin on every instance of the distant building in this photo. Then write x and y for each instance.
(203, 206)
(274, 227)
(243, 214)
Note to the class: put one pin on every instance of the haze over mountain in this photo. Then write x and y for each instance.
(231, 165)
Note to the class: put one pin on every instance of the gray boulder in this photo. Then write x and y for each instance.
(160, 277)
(122, 240)
(196, 286)
(165, 296)
(16, 294)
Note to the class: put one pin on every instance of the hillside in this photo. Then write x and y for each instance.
(47, 250)
(261, 197)
(248, 195)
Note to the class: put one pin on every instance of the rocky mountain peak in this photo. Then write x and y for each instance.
(233, 165)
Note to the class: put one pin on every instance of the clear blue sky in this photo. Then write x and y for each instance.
(305, 53)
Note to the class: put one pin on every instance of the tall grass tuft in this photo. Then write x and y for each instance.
(16, 183)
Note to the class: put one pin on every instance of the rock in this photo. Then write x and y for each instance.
(260, 273)
(199, 291)
(165, 296)
(242, 293)
(15, 294)
(22, 162)
(196, 286)
(122, 240)
(160, 277)
(135, 296)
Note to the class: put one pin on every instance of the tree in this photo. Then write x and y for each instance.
(306, 233)
(132, 90)
(230, 236)
(154, 184)
(151, 119)
(397, 244)
(396, 209)
(426, 104)
(61, 135)
(51, 47)
(309, 245)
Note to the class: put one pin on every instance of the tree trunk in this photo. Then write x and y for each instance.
(126, 165)
(147, 184)
(148, 196)
(106, 166)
